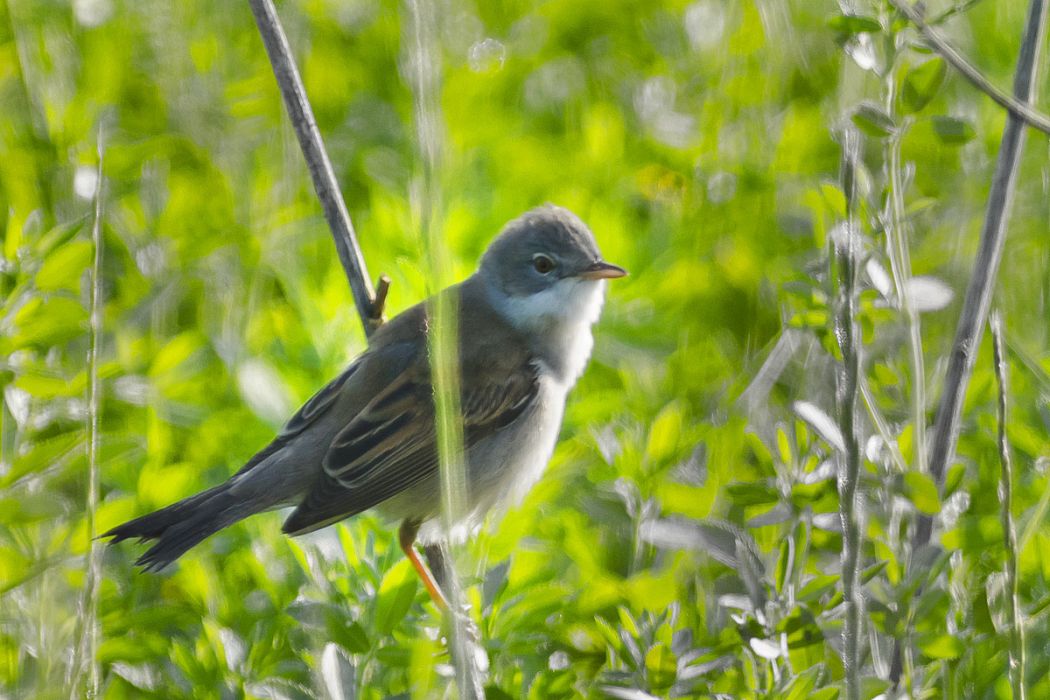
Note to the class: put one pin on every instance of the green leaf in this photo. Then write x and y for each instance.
(49, 322)
(922, 492)
(854, 24)
(921, 84)
(752, 493)
(953, 131)
(660, 667)
(784, 563)
(64, 268)
(664, 433)
(873, 120)
(942, 646)
(953, 479)
(801, 686)
(32, 507)
(396, 593)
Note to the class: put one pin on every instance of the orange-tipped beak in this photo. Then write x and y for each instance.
(602, 270)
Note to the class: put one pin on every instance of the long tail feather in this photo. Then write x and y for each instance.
(182, 525)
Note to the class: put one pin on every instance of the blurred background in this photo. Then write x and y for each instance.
(684, 541)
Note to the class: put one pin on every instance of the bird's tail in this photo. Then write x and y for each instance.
(183, 525)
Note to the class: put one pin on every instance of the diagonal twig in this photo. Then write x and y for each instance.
(986, 267)
(368, 302)
(1015, 106)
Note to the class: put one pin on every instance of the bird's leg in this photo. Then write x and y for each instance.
(407, 538)
(434, 554)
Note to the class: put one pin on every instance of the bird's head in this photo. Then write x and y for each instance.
(547, 267)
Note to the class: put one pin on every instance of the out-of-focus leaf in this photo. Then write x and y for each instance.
(31, 507)
(922, 492)
(337, 673)
(921, 84)
(929, 293)
(346, 633)
(873, 120)
(661, 667)
(821, 422)
(853, 24)
(953, 131)
(396, 593)
(752, 493)
(801, 686)
(49, 322)
(942, 646)
(765, 648)
(63, 268)
(954, 478)
(663, 435)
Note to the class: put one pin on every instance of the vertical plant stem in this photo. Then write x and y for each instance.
(900, 262)
(979, 290)
(1017, 654)
(848, 392)
(986, 267)
(86, 681)
(423, 55)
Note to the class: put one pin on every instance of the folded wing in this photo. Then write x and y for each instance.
(391, 444)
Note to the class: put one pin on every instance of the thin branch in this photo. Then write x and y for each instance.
(1017, 660)
(1015, 106)
(848, 392)
(369, 305)
(986, 266)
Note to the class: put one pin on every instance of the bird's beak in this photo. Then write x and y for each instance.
(601, 270)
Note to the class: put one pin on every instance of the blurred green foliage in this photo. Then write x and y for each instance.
(684, 541)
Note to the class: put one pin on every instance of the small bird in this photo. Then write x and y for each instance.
(368, 438)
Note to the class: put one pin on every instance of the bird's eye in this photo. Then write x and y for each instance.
(542, 263)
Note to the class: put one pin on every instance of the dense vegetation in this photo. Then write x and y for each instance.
(686, 539)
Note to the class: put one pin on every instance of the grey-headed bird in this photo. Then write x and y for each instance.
(368, 438)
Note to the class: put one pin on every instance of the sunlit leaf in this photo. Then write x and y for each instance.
(660, 666)
(396, 593)
(923, 492)
(338, 673)
(63, 268)
(942, 646)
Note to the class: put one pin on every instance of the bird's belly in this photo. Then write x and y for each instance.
(503, 467)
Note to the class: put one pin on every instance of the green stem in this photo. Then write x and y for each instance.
(88, 643)
(1017, 655)
(900, 263)
(848, 394)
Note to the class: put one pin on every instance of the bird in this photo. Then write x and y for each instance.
(368, 439)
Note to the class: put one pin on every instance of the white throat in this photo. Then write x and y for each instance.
(559, 321)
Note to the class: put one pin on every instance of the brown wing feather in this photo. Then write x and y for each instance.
(391, 444)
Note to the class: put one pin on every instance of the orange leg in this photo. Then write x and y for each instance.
(407, 538)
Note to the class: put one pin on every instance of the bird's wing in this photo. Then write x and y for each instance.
(315, 406)
(391, 444)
